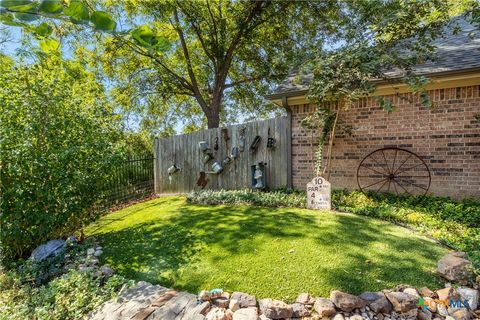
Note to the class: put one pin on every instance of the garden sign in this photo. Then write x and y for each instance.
(319, 193)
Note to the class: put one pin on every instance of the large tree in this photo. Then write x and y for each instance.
(209, 61)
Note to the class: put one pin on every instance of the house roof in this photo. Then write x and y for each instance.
(456, 53)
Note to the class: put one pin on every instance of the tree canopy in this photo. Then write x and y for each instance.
(209, 62)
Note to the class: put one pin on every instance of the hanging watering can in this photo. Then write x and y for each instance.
(217, 167)
(173, 169)
(207, 157)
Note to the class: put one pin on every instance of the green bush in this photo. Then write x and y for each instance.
(71, 296)
(57, 147)
(278, 198)
(453, 223)
(54, 289)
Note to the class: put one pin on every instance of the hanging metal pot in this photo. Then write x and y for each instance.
(204, 147)
(235, 153)
(217, 167)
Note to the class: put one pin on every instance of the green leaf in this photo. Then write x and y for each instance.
(26, 16)
(103, 21)
(49, 45)
(10, 4)
(26, 7)
(143, 35)
(77, 11)
(51, 6)
(7, 19)
(43, 30)
(163, 44)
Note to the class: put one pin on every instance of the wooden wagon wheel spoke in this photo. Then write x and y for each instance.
(383, 174)
(403, 163)
(375, 183)
(387, 180)
(386, 162)
(401, 171)
(398, 183)
(408, 169)
(413, 184)
(379, 164)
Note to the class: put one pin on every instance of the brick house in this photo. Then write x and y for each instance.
(446, 138)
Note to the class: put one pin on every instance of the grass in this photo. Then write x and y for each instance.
(268, 252)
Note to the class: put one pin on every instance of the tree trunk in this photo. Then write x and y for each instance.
(213, 121)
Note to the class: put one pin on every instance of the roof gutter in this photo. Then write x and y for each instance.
(303, 92)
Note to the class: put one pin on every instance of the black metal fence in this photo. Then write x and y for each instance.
(131, 180)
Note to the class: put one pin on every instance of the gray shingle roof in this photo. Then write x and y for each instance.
(455, 53)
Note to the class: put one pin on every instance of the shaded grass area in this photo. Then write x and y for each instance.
(269, 252)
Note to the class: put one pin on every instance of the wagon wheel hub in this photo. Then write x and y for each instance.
(394, 170)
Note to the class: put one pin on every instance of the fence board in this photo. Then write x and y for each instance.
(183, 150)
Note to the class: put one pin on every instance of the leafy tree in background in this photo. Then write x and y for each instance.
(59, 140)
(199, 61)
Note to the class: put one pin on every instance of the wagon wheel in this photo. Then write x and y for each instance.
(393, 170)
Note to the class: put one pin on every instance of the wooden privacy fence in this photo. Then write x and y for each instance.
(184, 152)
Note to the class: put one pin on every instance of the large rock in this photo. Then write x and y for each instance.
(245, 314)
(275, 309)
(244, 300)
(445, 293)
(345, 301)
(49, 249)
(216, 314)
(377, 302)
(300, 310)
(324, 307)
(455, 267)
(305, 299)
(426, 292)
(402, 302)
(461, 314)
(470, 295)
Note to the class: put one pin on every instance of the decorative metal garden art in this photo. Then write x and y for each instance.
(394, 170)
(242, 141)
(255, 144)
(207, 153)
(271, 142)
(217, 167)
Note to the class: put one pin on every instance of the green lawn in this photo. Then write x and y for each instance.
(268, 252)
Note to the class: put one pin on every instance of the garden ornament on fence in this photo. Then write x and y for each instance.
(255, 144)
(227, 160)
(173, 169)
(235, 153)
(271, 142)
(207, 157)
(258, 176)
(225, 134)
(202, 180)
(217, 167)
(204, 147)
(215, 144)
(242, 140)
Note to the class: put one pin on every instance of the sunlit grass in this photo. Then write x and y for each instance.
(268, 252)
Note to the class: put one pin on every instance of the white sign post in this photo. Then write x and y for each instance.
(319, 193)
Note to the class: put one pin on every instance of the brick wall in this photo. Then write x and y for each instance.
(447, 138)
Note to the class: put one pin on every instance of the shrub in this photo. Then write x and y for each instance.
(453, 223)
(58, 145)
(54, 289)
